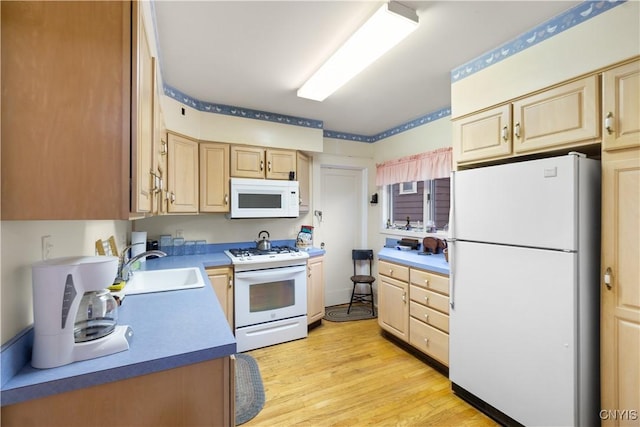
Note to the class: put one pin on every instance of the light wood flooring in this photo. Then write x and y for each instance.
(347, 374)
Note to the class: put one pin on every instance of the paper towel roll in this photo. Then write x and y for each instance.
(138, 237)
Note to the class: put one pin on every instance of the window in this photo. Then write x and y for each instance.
(418, 203)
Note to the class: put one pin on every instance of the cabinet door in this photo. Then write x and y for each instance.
(485, 135)
(214, 177)
(621, 107)
(222, 281)
(564, 116)
(315, 289)
(159, 203)
(182, 184)
(66, 117)
(280, 163)
(247, 162)
(393, 306)
(303, 175)
(620, 304)
(143, 120)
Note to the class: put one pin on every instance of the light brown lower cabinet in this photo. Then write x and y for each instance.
(315, 289)
(413, 305)
(222, 281)
(620, 288)
(194, 395)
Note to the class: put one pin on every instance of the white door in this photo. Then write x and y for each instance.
(341, 229)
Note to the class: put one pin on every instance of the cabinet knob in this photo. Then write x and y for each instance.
(607, 278)
(426, 300)
(404, 297)
(505, 134)
(608, 121)
(426, 282)
(390, 272)
(426, 317)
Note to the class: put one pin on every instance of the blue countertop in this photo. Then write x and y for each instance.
(171, 329)
(435, 263)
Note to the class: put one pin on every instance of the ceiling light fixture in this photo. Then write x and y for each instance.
(385, 29)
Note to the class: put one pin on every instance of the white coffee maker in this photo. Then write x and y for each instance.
(75, 317)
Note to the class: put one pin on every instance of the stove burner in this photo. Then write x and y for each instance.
(245, 252)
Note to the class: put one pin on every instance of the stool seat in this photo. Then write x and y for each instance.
(365, 279)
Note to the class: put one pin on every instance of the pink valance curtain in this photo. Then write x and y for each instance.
(419, 167)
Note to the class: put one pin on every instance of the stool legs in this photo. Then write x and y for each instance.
(362, 297)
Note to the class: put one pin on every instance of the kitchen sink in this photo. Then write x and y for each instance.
(175, 279)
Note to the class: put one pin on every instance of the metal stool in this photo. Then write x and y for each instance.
(362, 255)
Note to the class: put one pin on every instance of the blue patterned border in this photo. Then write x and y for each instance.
(572, 17)
(423, 120)
(245, 113)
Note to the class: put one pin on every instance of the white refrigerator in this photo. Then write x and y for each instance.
(524, 319)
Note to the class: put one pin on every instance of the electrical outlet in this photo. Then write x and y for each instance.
(47, 246)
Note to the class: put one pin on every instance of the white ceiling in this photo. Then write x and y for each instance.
(256, 54)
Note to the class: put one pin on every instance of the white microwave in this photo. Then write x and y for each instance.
(264, 198)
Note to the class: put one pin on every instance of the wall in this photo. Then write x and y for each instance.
(603, 40)
(22, 246)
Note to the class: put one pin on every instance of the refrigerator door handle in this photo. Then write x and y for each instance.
(452, 240)
(452, 206)
(452, 282)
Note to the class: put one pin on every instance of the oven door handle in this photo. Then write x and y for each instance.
(261, 275)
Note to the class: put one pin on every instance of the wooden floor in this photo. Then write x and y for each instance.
(347, 374)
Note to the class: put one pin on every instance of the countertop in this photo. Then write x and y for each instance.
(435, 263)
(171, 329)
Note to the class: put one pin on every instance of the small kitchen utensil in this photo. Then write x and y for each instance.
(265, 243)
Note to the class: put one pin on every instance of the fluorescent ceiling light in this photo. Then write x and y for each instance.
(385, 29)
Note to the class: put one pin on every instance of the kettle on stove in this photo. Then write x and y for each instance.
(75, 316)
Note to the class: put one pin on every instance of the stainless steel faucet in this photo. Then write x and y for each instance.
(124, 270)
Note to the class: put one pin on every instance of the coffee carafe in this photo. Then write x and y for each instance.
(75, 316)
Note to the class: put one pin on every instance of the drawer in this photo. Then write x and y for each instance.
(431, 281)
(430, 299)
(429, 316)
(396, 271)
(429, 340)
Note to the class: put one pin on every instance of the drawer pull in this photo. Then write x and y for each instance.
(426, 300)
(426, 317)
(426, 341)
(426, 282)
(390, 272)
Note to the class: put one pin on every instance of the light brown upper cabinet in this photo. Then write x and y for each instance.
(67, 109)
(621, 107)
(214, 177)
(303, 171)
(561, 117)
(483, 135)
(259, 162)
(566, 115)
(182, 174)
(143, 118)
